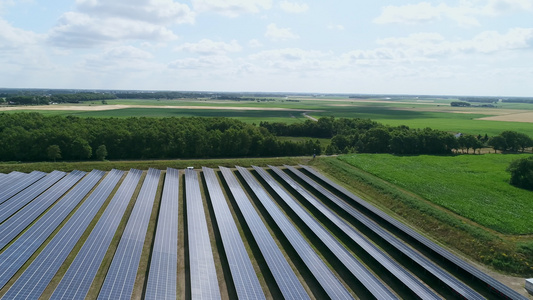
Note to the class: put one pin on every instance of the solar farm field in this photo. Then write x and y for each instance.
(225, 233)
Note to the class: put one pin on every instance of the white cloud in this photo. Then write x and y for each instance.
(464, 14)
(119, 58)
(203, 63)
(231, 8)
(209, 47)
(421, 46)
(276, 33)
(150, 11)
(80, 30)
(293, 7)
(98, 22)
(15, 38)
(254, 43)
(425, 12)
(292, 59)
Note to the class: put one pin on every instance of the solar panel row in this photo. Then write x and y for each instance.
(14, 186)
(14, 257)
(15, 203)
(456, 285)
(32, 283)
(78, 279)
(418, 288)
(120, 278)
(327, 280)
(24, 217)
(163, 265)
(286, 280)
(243, 274)
(204, 283)
(7, 178)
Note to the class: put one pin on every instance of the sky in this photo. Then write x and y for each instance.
(457, 47)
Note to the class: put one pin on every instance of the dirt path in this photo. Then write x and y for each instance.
(309, 117)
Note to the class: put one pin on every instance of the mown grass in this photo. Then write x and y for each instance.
(511, 254)
(473, 186)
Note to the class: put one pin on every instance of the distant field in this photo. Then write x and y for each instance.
(473, 186)
(415, 113)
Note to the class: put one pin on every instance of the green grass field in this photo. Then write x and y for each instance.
(472, 186)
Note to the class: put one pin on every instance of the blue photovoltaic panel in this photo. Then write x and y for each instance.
(120, 278)
(286, 280)
(12, 259)
(454, 284)
(327, 280)
(16, 224)
(245, 280)
(16, 202)
(6, 178)
(204, 282)
(34, 280)
(164, 263)
(78, 279)
(412, 283)
(12, 187)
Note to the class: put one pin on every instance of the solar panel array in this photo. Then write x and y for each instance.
(18, 183)
(14, 257)
(38, 275)
(204, 282)
(43, 219)
(161, 282)
(13, 204)
(325, 277)
(418, 288)
(121, 275)
(78, 279)
(288, 283)
(245, 280)
(14, 225)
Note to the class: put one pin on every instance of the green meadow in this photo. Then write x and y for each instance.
(472, 186)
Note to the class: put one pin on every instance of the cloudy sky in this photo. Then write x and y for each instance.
(456, 47)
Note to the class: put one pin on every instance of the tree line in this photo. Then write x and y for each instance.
(367, 136)
(28, 137)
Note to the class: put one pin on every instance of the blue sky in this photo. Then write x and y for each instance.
(464, 47)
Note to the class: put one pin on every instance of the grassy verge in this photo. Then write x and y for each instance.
(145, 164)
(507, 253)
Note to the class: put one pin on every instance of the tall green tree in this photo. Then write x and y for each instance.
(53, 152)
(101, 152)
(522, 173)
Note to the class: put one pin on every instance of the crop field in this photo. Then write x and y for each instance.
(415, 113)
(473, 186)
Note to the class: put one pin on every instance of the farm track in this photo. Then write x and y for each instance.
(308, 280)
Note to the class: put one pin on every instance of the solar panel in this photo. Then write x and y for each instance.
(245, 280)
(78, 279)
(204, 282)
(286, 280)
(16, 224)
(15, 203)
(416, 257)
(14, 257)
(40, 272)
(163, 265)
(418, 288)
(326, 279)
(18, 183)
(120, 278)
